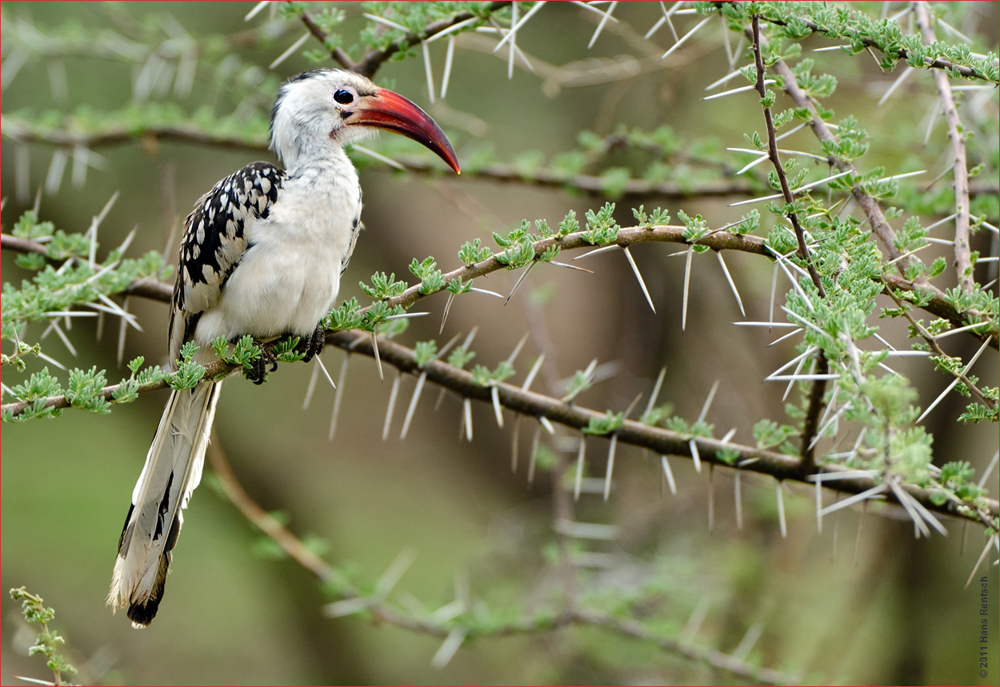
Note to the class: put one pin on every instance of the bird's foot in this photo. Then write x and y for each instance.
(258, 372)
(313, 345)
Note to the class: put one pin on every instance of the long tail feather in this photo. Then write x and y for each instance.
(172, 471)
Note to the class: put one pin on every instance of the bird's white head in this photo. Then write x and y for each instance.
(325, 108)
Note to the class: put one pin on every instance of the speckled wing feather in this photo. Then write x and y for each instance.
(214, 242)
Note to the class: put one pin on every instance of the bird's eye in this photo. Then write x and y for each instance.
(344, 96)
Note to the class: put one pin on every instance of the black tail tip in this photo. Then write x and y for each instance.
(142, 615)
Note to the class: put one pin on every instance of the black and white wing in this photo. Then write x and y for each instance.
(214, 241)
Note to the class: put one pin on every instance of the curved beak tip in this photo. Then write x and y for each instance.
(392, 112)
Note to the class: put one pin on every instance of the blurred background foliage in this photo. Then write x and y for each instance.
(874, 606)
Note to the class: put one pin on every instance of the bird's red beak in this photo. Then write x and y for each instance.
(392, 112)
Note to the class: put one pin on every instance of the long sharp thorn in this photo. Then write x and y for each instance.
(861, 526)
(690, 33)
(708, 401)
(670, 475)
(517, 24)
(467, 412)
(600, 27)
(687, 287)
(517, 349)
(819, 507)
(533, 373)
(447, 309)
(337, 396)
(495, 396)
(732, 284)
(413, 404)
(781, 512)
(311, 387)
(660, 22)
(611, 465)
(378, 359)
(638, 276)
(449, 647)
(291, 50)
(449, 58)
(392, 406)
(979, 562)
(519, 280)
(695, 456)
(895, 84)
(427, 71)
(122, 329)
(515, 443)
(256, 10)
(534, 454)
(580, 457)
(656, 389)
(571, 267)
(547, 424)
(782, 338)
(954, 382)
(322, 367)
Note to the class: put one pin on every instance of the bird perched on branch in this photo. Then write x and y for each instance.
(262, 254)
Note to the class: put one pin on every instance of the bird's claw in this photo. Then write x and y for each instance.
(258, 373)
(312, 346)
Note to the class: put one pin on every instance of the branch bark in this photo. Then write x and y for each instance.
(963, 257)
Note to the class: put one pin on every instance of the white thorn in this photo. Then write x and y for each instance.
(670, 475)
(638, 276)
(495, 395)
(311, 387)
(580, 456)
(448, 60)
(600, 26)
(392, 405)
(413, 404)
(690, 33)
(781, 512)
(337, 397)
(732, 285)
(611, 465)
(288, 53)
(695, 455)
(378, 359)
(687, 287)
(534, 453)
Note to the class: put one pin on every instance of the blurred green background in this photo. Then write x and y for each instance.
(876, 608)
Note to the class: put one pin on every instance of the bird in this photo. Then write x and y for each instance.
(262, 255)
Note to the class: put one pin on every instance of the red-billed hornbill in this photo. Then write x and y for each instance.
(262, 254)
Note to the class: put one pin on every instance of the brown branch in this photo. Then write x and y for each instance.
(341, 57)
(662, 441)
(887, 237)
(25, 132)
(772, 153)
(963, 257)
(385, 613)
(818, 388)
(898, 53)
(370, 63)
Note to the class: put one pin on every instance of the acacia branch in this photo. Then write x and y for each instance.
(818, 387)
(370, 63)
(634, 189)
(898, 53)
(662, 441)
(341, 57)
(383, 612)
(963, 258)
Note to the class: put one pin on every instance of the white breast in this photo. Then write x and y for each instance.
(289, 276)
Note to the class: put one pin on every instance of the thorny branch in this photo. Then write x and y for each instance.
(876, 218)
(663, 441)
(633, 189)
(818, 389)
(899, 53)
(963, 258)
(341, 57)
(384, 612)
(370, 63)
